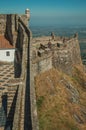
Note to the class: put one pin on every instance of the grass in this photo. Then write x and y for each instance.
(47, 123)
(40, 101)
(55, 111)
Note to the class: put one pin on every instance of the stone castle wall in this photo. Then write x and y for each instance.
(8, 26)
(24, 117)
(2, 24)
(42, 65)
(14, 28)
(64, 55)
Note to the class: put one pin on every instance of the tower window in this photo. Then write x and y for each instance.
(7, 53)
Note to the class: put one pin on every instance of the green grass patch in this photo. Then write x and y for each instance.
(40, 101)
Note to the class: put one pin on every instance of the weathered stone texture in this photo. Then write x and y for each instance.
(14, 28)
(2, 24)
(62, 59)
(24, 117)
(42, 65)
(64, 55)
(65, 58)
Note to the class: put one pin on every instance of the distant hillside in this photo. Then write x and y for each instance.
(61, 100)
(60, 31)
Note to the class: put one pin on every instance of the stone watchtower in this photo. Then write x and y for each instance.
(27, 12)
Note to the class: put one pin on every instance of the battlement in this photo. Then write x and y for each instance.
(59, 53)
(43, 48)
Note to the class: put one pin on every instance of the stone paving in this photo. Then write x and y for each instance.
(6, 73)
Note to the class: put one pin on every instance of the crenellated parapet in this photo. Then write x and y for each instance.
(60, 52)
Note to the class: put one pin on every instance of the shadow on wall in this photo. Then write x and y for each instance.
(8, 31)
(17, 65)
(4, 103)
(18, 70)
(27, 112)
(10, 117)
(18, 53)
(3, 110)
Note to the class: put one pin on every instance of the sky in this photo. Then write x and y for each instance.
(48, 12)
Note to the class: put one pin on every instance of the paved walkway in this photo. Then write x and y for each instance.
(6, 73)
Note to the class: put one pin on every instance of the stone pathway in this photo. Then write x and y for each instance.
(6, 73)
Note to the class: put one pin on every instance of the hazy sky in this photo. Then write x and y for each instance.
(48, 12)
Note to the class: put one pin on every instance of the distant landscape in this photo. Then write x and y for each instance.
(63, 31)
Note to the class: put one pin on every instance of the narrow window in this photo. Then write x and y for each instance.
(7, 53)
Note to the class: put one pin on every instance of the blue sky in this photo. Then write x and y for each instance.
(48, 12)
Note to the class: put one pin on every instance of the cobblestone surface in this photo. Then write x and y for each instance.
(6, 73)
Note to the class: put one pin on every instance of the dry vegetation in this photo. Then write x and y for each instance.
(61, 100)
